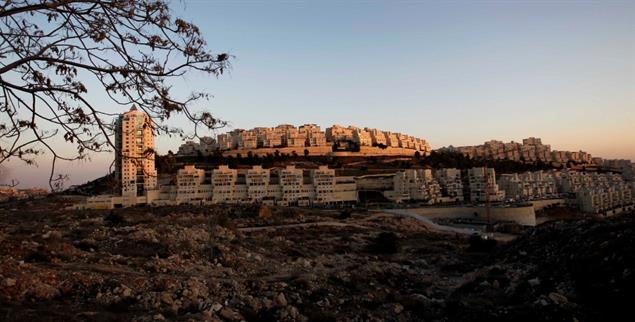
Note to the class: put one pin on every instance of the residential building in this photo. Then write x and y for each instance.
(314, 136)
(531, 150)
(362, 137)
(337, 133)
(190, 185)
(483, 186)
(392, 139)
(223, 185)
(189, 148)
(377, 137)
(414, 184)
(528, 185)
(134, 154)
(451, 183)
(225, 141)
(257, 180)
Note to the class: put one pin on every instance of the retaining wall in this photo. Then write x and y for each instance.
(524, 215)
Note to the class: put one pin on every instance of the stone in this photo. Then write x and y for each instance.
(53, 234)
(9, 282)
(126, 292)
(44, 291)
(398, 308)
(229, 314)
(166, 298)
(216, 307)
(534, 282)
(558, 298)
(281, 300)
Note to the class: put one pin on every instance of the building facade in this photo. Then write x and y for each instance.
(307, 135)
(451, 183)
(134, 154)
(414, 185)
(483, 186)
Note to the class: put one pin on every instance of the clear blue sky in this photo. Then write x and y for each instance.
(455, 73)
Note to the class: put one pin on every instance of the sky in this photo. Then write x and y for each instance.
(453, 72)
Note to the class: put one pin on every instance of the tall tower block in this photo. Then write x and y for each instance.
(134, 156)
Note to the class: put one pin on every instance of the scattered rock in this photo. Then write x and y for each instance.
(216, 307)
(534, 282)
(558, 298)
(281, 300)
(230, 315)
(52, 235)
(43, 291)
(9, 282)
(167, 298)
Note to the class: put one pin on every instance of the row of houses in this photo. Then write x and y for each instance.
(592, 192)
(8, 193)
(530, 150)
(138, 179)
(444, 185)
(529, 185)
(288, 186)
(597, 192)
(307, 135)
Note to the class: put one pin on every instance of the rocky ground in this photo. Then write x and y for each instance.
(147, 264)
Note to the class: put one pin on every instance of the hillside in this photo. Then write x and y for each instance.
(288, 264)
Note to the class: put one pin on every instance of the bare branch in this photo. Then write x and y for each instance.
(134, 49)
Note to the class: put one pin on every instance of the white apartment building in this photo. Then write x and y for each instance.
(290, 187)
(392, 139)
(205, 147)
(482, 184)
(451, 184)
(414, 184)
(257, 180)
(597, 192)
(528, 185)
(362, 137)
(190, 187)
(295, 139)
(134, 156)
(405, 141)
(223, 185)
(324, 182)
(245, 139)
(189, 148)
(269, 137)
(225, 141)
(338, 133)
(531, 150)
(307, 135)
(314, 136)
(377, 137)
(293, 190)
(600, 200)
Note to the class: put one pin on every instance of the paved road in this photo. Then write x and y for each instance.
(429, 223)
(446, 229)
